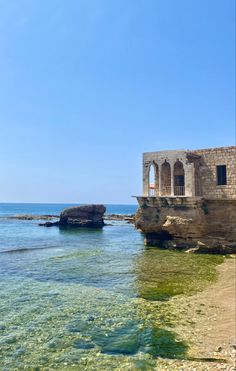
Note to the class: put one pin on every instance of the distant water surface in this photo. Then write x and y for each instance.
(89, 299)
(40, 209)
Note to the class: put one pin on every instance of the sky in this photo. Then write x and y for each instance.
(87, 86)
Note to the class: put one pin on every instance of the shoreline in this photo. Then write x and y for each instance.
(207, 323)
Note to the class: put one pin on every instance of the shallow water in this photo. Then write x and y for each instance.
(87, 299)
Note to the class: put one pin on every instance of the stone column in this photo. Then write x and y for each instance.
(145, 181)
(160, 168)
(172, 179)
(146, 169)
(156, 179)
(189, 180)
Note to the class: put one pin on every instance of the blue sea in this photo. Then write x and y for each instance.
(85, 299)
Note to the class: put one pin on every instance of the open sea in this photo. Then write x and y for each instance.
(85, 299)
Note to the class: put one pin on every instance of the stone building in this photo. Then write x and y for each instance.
(189, 198)
(207, 173)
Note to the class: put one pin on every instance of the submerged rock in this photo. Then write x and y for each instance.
(49, 224)
(33, 217)
(129, 218)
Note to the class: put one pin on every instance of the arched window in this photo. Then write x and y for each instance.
(165, 179)
(153, 185)
(179, 181)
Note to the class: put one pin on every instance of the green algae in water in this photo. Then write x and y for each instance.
(163, 275)
(95, 303)
(95, 326)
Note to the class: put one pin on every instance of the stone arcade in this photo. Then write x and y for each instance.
(191, 198)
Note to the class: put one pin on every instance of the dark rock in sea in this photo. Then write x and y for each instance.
(129, 218)
(33, 217)
(49, 224)
(88, 216)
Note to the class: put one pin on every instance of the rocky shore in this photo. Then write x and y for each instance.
(207, 323)
(195, 225)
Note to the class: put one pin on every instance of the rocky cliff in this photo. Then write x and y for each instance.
(202, 225)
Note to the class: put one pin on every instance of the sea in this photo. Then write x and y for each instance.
(86, 299)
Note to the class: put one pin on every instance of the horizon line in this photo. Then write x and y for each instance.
(63, 203)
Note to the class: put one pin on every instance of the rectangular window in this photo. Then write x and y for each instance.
(179, 180)
(221, 175)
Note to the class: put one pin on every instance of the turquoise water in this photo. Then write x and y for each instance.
(89, 299)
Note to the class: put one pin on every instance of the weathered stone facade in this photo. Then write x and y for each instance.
(192, 198)
(190, 173)
(209, 160)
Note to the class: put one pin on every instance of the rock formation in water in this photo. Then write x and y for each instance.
(129, 218)
(33, 217)
(83, 216)
(87, 216)
(194, 224)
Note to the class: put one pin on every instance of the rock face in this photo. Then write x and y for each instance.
(199, 224)
(89, 216)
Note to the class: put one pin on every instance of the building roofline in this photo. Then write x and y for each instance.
(168, 150)
(212, 148)
(193, 150)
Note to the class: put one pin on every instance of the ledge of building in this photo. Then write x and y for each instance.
(225, 199)
(157, 197)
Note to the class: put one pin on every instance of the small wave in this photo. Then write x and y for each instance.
(27, 249)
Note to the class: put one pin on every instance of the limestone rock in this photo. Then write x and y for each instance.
(206, 226)
(89, 216)
(183, 218)
(177, 225)
(208, 247)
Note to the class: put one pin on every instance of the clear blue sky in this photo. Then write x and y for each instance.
(86, 86)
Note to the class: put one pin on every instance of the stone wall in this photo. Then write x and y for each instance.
(210, 158)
